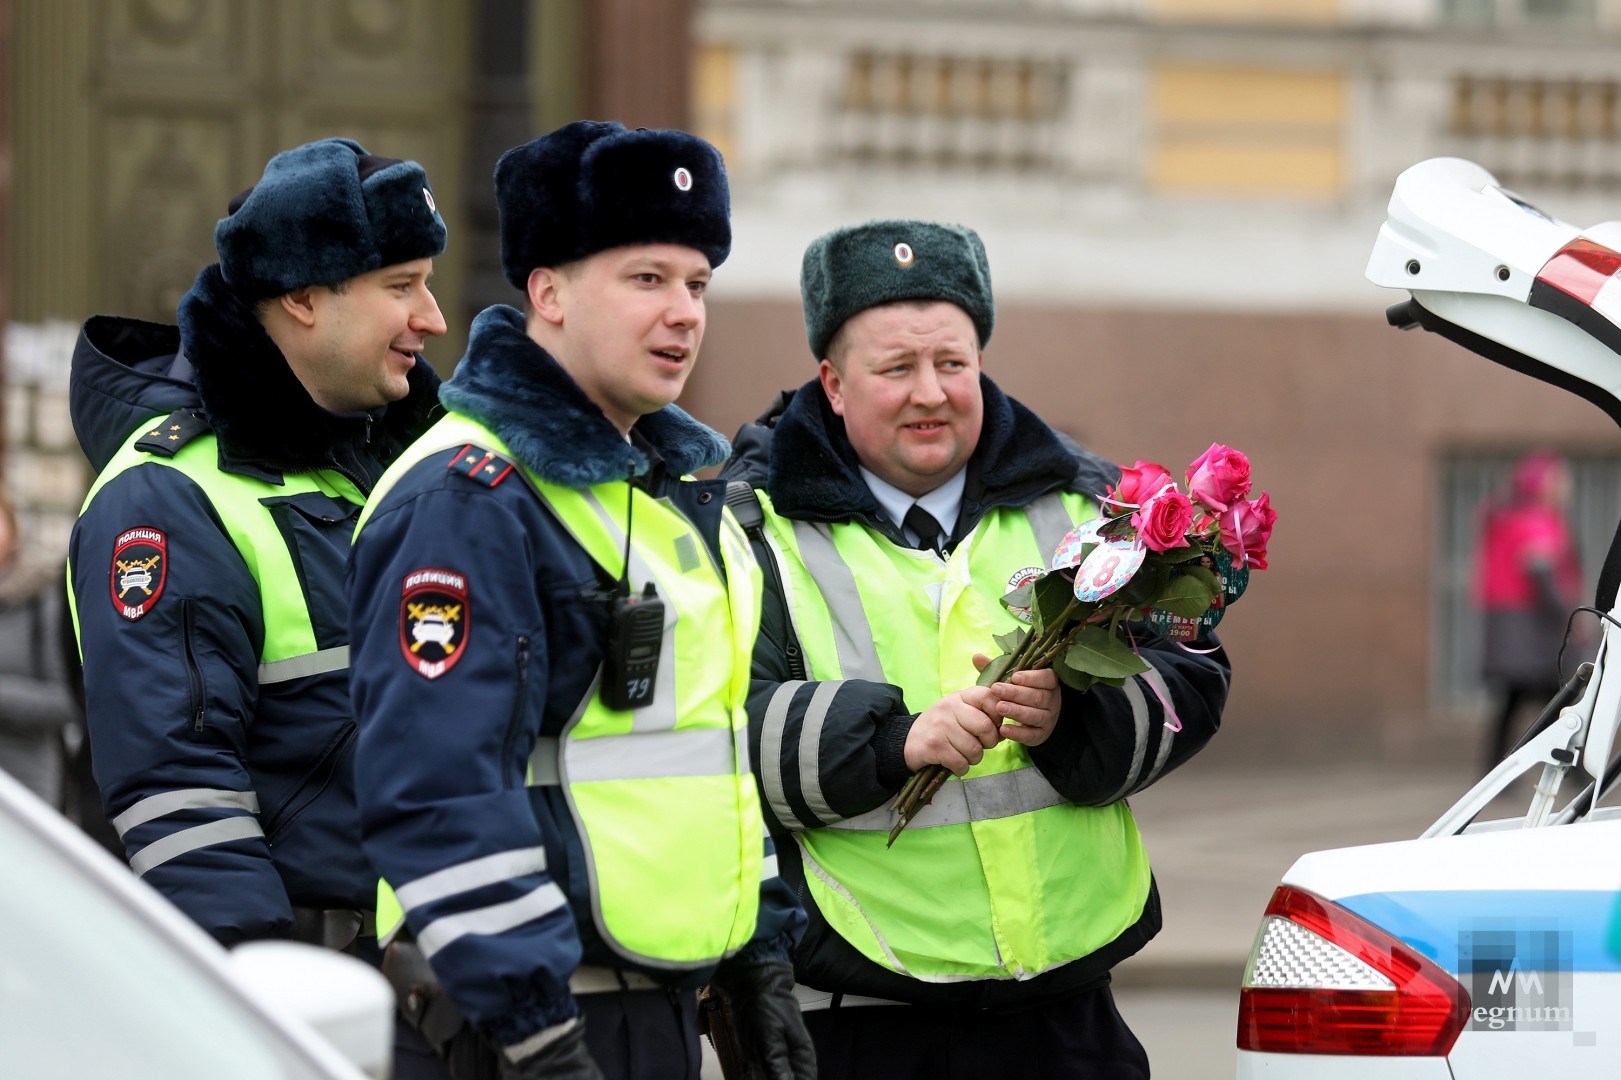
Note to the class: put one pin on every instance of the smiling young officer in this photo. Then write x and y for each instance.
(207, 565)
(552, 765)
(901, 495)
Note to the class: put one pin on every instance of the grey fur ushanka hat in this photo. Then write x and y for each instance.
(849, 270)
(325, 212)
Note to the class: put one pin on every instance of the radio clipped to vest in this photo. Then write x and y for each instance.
(630, 657)
(630, 662)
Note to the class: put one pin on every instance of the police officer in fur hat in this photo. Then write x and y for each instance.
(900, 495)
(234, 454)
(552, 624)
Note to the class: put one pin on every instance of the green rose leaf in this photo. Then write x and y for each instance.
(1140, 591)
(1180, 554)
(1099, 653)
(1187, 596)
(1208, 577)
(1020, 597)
(995, 669)
(1010, 641)
(1053, 595)
(1071, 677)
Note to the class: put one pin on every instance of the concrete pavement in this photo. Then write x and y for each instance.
(1221, 835)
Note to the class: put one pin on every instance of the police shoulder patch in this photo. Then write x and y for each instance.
(140, 567)
(434, 620)
(480, 466)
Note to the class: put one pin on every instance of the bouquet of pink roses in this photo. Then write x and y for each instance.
(1155, 555)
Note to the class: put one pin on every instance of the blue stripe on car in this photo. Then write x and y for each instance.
(1431, 921)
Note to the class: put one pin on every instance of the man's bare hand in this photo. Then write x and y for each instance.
(955, 731)
(1030, 699)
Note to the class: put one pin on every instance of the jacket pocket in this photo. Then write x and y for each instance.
(317, 530)
(520, 699)
(310, 787)
(196, 688)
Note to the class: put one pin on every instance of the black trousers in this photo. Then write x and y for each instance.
(1080, 1037)
(632, 1035)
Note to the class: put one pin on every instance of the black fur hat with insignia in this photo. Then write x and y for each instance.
(593, 185)
(849, 270)
(325, 212)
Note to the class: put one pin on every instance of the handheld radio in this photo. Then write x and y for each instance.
(635, 639)
(630, 657)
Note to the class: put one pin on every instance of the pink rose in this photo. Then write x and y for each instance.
(1140, 483)
(1218, 477)
(1163, 521)
(1245, 529)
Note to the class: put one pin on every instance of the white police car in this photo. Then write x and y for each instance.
(1483, 949)
(100, 976)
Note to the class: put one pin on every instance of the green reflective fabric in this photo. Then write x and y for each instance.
(1034, 881)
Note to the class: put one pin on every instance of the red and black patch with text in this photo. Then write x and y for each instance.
(140, 567)
(434, 619)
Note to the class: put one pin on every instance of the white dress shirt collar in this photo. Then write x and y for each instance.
(944, 503)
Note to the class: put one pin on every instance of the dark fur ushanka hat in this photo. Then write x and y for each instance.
(849, 270)
(325, 212)
(593, 185)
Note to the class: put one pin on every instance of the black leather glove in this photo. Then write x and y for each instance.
(770, 1031)
(562, 1058)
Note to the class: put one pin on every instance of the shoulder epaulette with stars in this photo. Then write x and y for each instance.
(167, 436)
(480, 466)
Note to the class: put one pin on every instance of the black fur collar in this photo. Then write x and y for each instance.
(515, 388)
(261, 414)
(813, 474)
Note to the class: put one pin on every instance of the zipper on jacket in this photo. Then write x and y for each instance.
(313, 784)
(196, 688)
(522, 696)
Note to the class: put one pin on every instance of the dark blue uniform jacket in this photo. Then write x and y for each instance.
(442, 760)
(176, 712)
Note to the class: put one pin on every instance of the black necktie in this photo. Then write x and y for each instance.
(924, 527)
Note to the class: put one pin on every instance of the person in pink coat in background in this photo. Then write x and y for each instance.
(1528, 578)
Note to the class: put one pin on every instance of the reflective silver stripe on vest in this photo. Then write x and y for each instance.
(198, 836)
(979, 798)
(495, 919)
(297, 667)
(652, 756)
(662, 716)
(852, 634)
(1050, 522)
(826, 879)
(776, 714)
(472, 874)
(768, 867)
(156, 806)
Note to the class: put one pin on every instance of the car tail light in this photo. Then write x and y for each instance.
(1582, 283)
(1321, 980)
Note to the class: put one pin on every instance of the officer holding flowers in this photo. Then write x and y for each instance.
(902, 494)
(552, 627)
